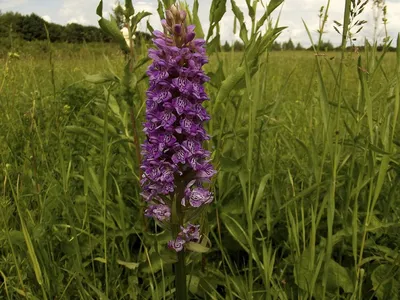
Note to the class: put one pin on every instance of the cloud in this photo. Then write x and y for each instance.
(46, 18)
(291, 14)
(84, 11)
(80, 11)
(78, 20)
(77, 11)
(11, 4)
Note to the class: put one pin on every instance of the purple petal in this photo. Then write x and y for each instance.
(160, 212)
(177, 244)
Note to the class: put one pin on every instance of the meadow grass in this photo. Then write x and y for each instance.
(306, 202)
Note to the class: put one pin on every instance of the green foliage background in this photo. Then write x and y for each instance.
(306, 197)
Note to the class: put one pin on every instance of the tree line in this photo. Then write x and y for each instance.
(277, 46)
(291, 46)
(32, 27)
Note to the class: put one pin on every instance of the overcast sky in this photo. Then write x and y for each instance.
(293, 11)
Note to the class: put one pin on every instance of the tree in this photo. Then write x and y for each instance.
(288, 45)
(118, 15)
(75, 33)
(92, 34)
(10, 21)
(238, 46)
(326, 46)
(299, 47)
(56, 32)
(32, 27)
(226, 47)
(276, 46)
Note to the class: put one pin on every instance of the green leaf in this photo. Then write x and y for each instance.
(168, 3)
(114, 105)
(260, 194)
(196, 247)
(99, 293)
(129, 10)
(272, 5)
(156, 261)
(160, 10)
(111, 28)
(227, 86)
(99, 9)
(193, 283)
(385, 282)
(339, 277)
(83, 131)
(218, 76)
(141, 62)
(196, 20)
(239, 15)
(367, 97)
(236, 230)
(138, 17)
(131, 81)
(26, 295)
(398, 51)
(101, 78)
(31, 251)
(230, 165)
(100, 259)
(377, 226)
(161, 238)
(304, 271)
(129, 265)
(17, 238)
(232, 153)
(252, 12)
(149, 27)
(100, 123)
(214, 45)
(217, 10)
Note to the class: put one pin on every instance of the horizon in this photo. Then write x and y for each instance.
(64, 12)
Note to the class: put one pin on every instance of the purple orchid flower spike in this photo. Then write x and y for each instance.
(176, 167)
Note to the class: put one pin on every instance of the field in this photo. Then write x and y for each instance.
(306, 197)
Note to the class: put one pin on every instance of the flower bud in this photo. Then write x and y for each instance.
(174, 9)
(178, 29)
(189, 37)
(182, 15)
(169, 18)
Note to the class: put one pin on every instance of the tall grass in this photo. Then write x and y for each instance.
(306, 195)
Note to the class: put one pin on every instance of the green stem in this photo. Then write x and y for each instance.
(180, 277)
(177, 221)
